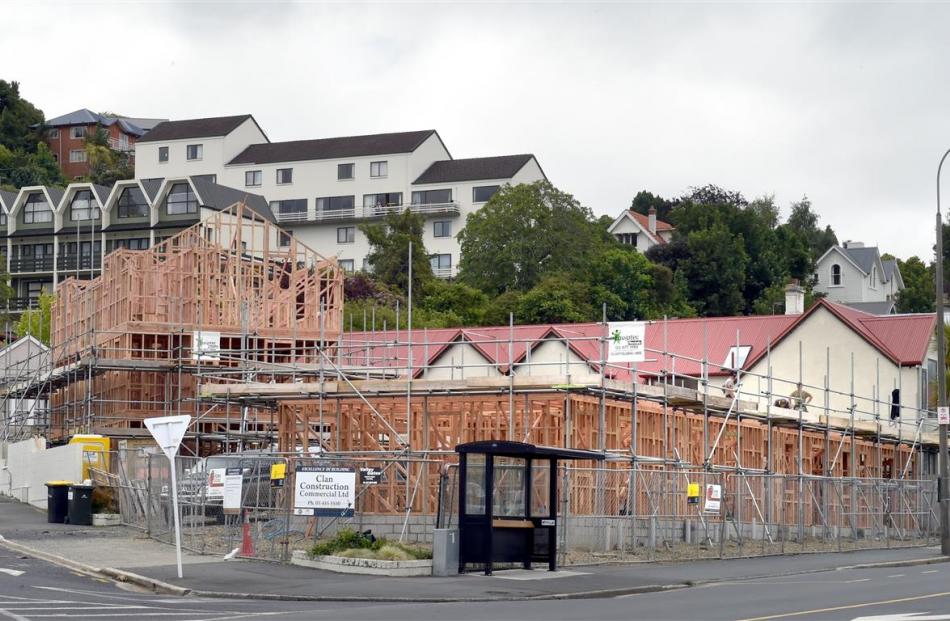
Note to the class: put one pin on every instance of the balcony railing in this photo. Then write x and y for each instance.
(81, 262)
(367, 212)
(21, 304)
(443, 272)
(31, 264)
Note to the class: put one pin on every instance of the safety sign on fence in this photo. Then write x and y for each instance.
(626, 341)
(233, 484)
(324, 491)
(713, 499)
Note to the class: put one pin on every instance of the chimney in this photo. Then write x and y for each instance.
(794, 298)
(652, 220)
(848, 243)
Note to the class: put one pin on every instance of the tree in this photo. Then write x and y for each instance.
(804, 221)
(644, 200)
(632, 287)
(458, 299)
(557, 299)
(21, 123)
(715, 271)
(523, 234)
(19, 168)
(918, 295)
(36, 322)
(106, 165)
(389, 251)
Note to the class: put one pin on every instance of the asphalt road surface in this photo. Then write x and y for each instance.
(33, 589)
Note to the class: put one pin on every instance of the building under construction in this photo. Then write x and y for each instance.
(235, 323)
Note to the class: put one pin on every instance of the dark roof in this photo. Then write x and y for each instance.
(55, 193)
(102, 192)
(505, 447)
(864, 257)
(332, 148)
(7, 198)
(890, 266)
(195, 128)
(88, 117)
(177, 224)
(43, 232)
(474, 169)
(221, 197)
(874, 308)
(128, 226)
(151, 187)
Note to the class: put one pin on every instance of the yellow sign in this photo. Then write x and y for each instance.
(278, 471)
(692, 490)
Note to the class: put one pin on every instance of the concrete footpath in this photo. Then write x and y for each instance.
(127, 555)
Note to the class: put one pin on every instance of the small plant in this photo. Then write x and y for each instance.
(103, 500)
(353, 544)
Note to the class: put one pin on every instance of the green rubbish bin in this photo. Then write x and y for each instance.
(57, 504)
(80, 505)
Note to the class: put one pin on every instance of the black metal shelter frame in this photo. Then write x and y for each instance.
(508, 499)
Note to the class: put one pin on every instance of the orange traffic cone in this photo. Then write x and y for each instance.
(247, 544)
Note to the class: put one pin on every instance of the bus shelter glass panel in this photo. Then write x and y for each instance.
(508, 495)
(475, 484)
(540, 489)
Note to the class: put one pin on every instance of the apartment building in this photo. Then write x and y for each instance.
(51, 234)
(66, 137)
(322, 190)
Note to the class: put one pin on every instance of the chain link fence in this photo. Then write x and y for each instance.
(607, 513)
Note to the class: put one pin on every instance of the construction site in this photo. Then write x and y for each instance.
(238, 325)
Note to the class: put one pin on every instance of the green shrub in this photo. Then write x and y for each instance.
(352, 544)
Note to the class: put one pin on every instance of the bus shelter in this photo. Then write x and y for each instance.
(508, 502)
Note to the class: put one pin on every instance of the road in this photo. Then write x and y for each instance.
(33, 589)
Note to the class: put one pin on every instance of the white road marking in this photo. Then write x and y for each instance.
(12, 615)
(11, 572)
(932, 571)
(896, 576)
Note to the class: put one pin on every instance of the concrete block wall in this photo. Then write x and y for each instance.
(29, 465)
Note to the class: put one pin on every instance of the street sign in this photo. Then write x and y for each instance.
(324, 491)
(168, 432)
(233, 484)
(943, 415)
(626, 341)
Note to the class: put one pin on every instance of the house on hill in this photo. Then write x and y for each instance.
(642, 232)
(855, 275)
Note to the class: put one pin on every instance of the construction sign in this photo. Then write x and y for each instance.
(692, 493)
(323, 491)
(713, 499)
(626, 341)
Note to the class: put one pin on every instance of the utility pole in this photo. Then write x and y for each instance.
(944, 468)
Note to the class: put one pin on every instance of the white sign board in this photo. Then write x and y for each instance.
(215, 489)
(713, 499)
(233, 483)
(206, 346)
(943, 416)
(324, 491)
(626, 341)
(168, 432)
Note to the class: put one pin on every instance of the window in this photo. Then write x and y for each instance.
(132, 203)
(295, 206)
(388, 199)
(736, 357)
(77, 132)
(441, 262)
(82, 207)
(54, 133)
(138, 243)
(336, 203)
(123, 142)
(163, 154)
(475, 484)
(481, 194)
(283, 239)
(432, 197)
(3, 219)
(344, 171)
(874, 277)
(442, 228)
(627, 239)
(285, 176)
(378, 169)
(181, 200)
(508, 486)
(77, 155)
(35, 288)
(253, 178)
(345, 234)
(194, 151)
(36, 209)
(346, 265)
(835, 275)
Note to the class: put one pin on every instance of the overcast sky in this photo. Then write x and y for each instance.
(841, 102)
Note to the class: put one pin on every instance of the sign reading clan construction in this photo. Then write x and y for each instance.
(324, 491)
(626, 341)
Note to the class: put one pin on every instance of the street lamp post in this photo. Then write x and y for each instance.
(943, 476)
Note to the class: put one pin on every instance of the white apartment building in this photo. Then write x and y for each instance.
(322, 190)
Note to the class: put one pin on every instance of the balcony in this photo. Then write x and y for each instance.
(31, 264)
(367, 212)
(83, 262)
(21, 304)
(443, 272)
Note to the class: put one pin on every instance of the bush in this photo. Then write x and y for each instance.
(352, 544)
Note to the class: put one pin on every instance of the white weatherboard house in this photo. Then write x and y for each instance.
(855, 274)
(640, 231)
(322, 190)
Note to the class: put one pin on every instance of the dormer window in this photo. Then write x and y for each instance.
(82, 207)
(132, 204)
(36, 209)
(181, 200)
(835, 275)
